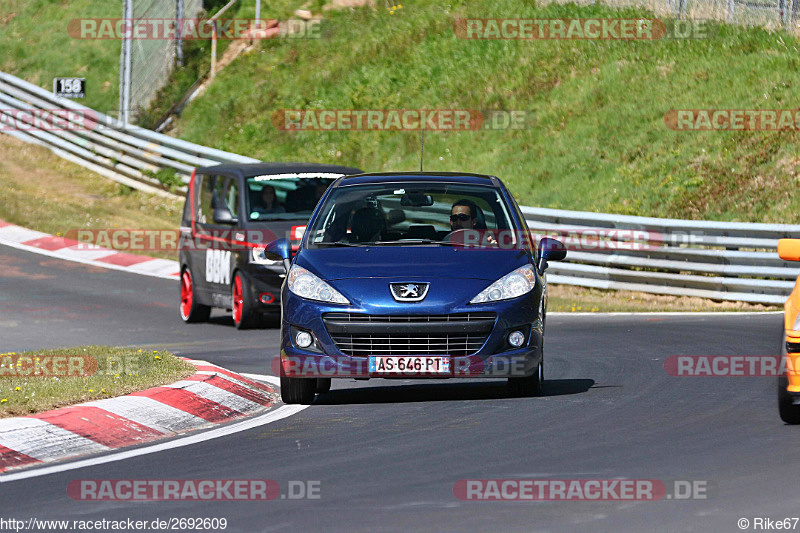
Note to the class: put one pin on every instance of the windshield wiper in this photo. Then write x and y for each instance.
(414, 241)
(337, 243)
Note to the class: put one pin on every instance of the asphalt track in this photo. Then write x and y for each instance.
(388, 453)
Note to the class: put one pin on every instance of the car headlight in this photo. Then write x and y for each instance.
(516, 283)
(259, 258)
(306, 285)
(796, 326)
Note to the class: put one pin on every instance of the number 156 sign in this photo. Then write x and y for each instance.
(69, 87)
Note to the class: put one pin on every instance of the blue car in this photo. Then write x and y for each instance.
(414, 275)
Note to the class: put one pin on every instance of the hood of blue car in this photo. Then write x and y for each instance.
(411, 263)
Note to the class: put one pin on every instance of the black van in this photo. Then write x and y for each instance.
(232, 212)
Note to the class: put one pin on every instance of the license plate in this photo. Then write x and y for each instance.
(409, 365)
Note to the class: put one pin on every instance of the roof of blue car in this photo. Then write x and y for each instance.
(388, 177)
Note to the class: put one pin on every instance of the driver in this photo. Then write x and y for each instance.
(464, 216)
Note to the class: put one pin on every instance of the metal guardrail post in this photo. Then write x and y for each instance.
(125, 63)
(179, 33)
(213, 48)
(213, 22)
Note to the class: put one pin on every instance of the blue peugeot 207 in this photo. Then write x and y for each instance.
(414, 275)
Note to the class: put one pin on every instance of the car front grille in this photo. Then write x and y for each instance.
(361, 335)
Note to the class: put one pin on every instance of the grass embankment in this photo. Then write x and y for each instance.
(598, 141)
(26, 389)
(36, 46)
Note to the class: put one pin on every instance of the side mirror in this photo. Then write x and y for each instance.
(789, 249)
(223, 215)
(279, 250)
(549, 250)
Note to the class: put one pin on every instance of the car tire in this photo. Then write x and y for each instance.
(242, 311)
(323, 385)
(298, 390)
(528, 386)
(191, 311)
(789, 412)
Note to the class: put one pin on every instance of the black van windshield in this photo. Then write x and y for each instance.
(285, 197)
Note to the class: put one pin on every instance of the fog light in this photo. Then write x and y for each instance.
(516, 338)
(266, 298)
(303, 339)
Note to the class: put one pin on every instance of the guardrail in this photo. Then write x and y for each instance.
(123, 154)
(718, 260)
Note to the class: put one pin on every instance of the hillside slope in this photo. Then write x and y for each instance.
(598, 140)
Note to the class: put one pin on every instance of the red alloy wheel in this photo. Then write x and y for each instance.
(237, 299)
(186, 294)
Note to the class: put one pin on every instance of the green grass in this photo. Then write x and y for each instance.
(35, 45)
(41, 191)
(598, 141)
(113, 372)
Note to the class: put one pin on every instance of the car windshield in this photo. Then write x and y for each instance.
(285, 196)
(412, 214)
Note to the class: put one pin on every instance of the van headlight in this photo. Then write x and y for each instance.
(258, 257)
(306, 285)
(520, 281)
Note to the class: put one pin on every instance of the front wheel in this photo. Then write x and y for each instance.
(298, 390)
(528, 386)
(191, 310)
(242, 308)
(789, 412)
(323, 385)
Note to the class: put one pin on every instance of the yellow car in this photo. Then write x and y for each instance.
(789, 383)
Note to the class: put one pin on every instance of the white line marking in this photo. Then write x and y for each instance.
(272, 380)
(273, 416)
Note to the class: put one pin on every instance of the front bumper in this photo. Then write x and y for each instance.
(263, 281)
(494, 358)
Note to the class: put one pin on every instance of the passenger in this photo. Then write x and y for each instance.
(269, 201)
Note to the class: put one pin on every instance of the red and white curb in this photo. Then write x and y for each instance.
(72, 250)
(209, 397)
